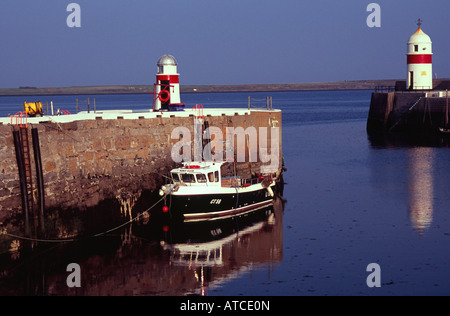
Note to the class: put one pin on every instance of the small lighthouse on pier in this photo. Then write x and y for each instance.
(167, 87)
(419, 59)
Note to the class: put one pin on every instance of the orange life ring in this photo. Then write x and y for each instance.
(167, 96)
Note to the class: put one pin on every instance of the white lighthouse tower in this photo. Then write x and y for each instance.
(419, 59)
(167, 87)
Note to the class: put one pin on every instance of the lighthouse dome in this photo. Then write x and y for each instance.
(419, 37)
(167, 60)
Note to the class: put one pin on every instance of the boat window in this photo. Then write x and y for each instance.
(201, 178)
(187, 178)
(211, 177)
(175, 177)
(216, 176)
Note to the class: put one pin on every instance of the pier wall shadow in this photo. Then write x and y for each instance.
(85, 162)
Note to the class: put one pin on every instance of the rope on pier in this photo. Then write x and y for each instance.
(4, 232)
(405, 114)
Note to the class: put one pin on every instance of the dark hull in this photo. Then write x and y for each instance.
(204, 207)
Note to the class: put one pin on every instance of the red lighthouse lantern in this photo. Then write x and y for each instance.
(167, 87)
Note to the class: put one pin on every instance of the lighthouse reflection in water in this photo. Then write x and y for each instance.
(421, 161)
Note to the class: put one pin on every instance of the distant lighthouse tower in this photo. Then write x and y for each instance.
(419, 59)
(167, 87)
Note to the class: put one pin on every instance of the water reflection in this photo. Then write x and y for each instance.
(410, 139)
(149, 258)
(420, 159)
(420, 182)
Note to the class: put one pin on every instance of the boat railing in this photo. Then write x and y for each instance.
(238, 182)
(250, 181)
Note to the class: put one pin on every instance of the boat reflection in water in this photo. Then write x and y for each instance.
(213, 252)
(149, 258)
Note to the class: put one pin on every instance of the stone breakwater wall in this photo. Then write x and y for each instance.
(408, 111)
(86, 160)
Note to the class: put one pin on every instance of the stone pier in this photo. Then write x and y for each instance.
(88, 158)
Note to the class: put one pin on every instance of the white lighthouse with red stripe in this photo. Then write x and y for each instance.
(419, 59)
(167, 87)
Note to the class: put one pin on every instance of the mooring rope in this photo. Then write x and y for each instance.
(4, 232)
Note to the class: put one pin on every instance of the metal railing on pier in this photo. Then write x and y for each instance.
(421, 89)
(84, 105)
(267, 105)
(385, 88)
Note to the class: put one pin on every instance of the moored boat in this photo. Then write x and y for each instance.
(202, 191)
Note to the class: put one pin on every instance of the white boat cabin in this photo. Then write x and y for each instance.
(205, 174)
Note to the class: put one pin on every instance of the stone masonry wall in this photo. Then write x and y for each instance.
(85, 162)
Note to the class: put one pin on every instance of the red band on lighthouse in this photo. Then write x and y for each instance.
(419, 59)
(171, 78)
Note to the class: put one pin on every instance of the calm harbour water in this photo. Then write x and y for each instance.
(349, 202)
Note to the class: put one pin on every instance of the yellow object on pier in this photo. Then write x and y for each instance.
(33, 108)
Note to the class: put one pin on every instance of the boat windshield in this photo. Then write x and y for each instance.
(213, 177)
(201, 178)
(175, 177)
(187, 177)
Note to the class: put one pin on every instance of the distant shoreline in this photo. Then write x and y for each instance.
(145, 89)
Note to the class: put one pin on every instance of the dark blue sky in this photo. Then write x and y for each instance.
(215, 42)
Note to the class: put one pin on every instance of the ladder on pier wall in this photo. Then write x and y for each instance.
(23, 156)
(27, 165)
(33, 207)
